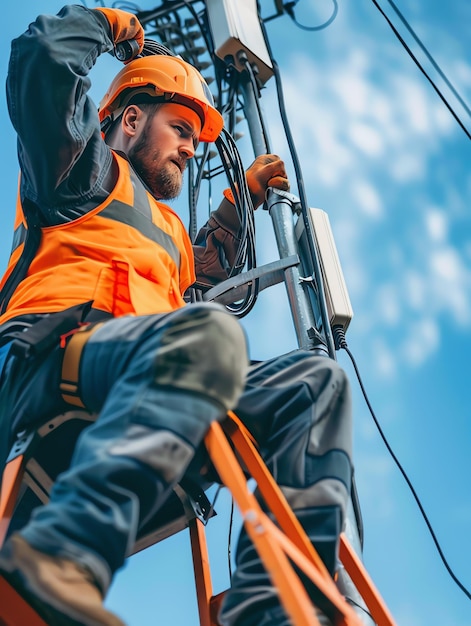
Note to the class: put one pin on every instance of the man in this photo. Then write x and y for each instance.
(93, 315)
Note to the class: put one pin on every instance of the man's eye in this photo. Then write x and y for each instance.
(186, 133)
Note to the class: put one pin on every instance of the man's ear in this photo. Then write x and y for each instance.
(131, 119)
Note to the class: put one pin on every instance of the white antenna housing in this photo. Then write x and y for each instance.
(338, 304)
(235, 27)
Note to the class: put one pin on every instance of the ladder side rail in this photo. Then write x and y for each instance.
(289, 524)
(271, 543)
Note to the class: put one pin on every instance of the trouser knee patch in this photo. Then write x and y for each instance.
(204, 351)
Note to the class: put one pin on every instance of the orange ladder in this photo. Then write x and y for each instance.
(278, 545)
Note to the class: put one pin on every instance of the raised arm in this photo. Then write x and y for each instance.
(65, 163)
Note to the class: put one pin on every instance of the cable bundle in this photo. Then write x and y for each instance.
(245, 256)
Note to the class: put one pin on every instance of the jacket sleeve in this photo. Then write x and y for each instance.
(216, 245)
(65, 164)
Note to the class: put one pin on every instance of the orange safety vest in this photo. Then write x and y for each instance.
(131, 254)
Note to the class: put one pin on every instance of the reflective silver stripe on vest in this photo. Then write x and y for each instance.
(19, 237)
(139, 217)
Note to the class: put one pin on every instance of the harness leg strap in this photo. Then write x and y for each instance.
(70, 365)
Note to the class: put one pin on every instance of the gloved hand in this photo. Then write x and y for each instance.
(124, 27)
(268, 170)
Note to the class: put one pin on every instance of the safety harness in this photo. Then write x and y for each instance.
(70, 329)
(31, 237)
(69, 384)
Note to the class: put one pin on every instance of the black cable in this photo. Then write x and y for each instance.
(340, 342)
(430, 58)
(207, 39)
(253, 82)
(303, 201)
(152, 47)
(245, 255)
(229, 540)
(416, 61)
(192, 224)
(231, 524)
(132, 7)
(358, 606)
(289, 8)
(234, 170)
(194, 187)
(173, 25)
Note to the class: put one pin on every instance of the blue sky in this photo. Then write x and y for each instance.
(384, 157)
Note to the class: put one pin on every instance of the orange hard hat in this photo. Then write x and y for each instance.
(169, 78)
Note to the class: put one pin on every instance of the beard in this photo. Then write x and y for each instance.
(161, 176)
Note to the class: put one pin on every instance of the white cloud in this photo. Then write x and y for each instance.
(422, 340)
(436, 224)
(446, 265)
(372, 138)
(377, 471)
(413, 105)
(443, 120)
(384, 359)
(463, 72)
(349, 86)
(452, 283)
(346, 233)
(367, 198)
(408, 168)
(407, 614)
(342, 111)
(380, 109)
(415, 290)
(389, 305)
(367, 139)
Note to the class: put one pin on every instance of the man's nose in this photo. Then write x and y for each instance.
(187, 149)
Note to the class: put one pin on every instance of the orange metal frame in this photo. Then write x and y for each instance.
(10, 487)
(278, 546)
(14, 611)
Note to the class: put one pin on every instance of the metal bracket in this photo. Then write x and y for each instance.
(24, 440)
(234, 288)
(198, 500)
(286, 195)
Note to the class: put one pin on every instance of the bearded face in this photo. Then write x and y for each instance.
(161, 149)
(162, 176)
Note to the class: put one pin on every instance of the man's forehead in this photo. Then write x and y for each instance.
(184, 113)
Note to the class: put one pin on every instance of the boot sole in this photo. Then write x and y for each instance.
(48, 613)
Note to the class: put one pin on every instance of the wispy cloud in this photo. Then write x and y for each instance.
(374, 137)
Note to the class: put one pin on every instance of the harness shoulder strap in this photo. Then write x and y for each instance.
(31, 245)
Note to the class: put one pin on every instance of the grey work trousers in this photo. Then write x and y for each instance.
(157, 382)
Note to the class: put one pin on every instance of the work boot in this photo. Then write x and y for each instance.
(62, 592)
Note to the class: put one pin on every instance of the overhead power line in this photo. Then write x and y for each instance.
(421, 68)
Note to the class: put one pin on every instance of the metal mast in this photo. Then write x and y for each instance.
(235, 47)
